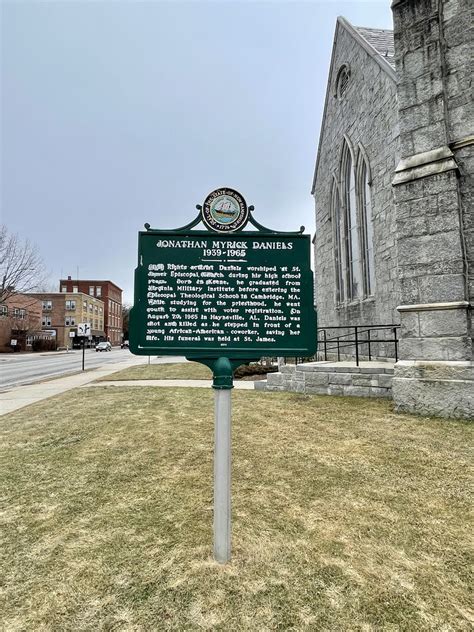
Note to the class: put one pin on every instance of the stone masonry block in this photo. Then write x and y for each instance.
(435, 349)
(384, 381)
(441, 288)
(275, 379)
(430, 248)
(316, 379)
(340, 378)
(436, 370)
(357, 391)
(316, 390)
(335, 390)
(364, 380)
(429, 136)
(410, 325)
(447, 323)
(442, 398)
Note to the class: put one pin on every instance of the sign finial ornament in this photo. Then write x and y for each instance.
(225, 211)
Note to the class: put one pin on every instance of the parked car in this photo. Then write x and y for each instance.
(103, 346)
(124, 345)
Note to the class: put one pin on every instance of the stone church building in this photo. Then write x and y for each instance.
(393, 190)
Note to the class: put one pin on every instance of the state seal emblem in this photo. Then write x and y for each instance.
(225, 211)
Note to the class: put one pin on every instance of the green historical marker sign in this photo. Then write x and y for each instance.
(223, 296)
(242, 295)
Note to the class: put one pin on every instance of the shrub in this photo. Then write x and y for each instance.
(41, 344)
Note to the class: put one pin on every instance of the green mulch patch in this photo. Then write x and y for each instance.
(346, 515)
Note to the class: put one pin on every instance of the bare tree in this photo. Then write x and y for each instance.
(21, 266)
(125, 318)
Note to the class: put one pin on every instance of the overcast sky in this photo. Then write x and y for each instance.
(119, 113)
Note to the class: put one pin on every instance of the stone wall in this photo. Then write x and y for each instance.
(433, 194)
(314, 379)
(366, 114)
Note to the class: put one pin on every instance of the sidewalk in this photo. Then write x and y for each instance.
(20, 396)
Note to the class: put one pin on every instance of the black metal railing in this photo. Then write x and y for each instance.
(357, 336)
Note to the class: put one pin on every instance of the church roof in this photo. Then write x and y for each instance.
(378, 43)
(381, 40)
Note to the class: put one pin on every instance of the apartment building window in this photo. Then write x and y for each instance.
(98, 291)
(91, 308)
(19, 313)
(75, 289)
(69, 320)
(70, 304)
(46, 321)
(91, 290)
(63, 288)
(3, 310)
(96, 308)
(84, 305)
(100, 310)
(47, 304)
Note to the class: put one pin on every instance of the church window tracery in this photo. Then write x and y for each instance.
(342, 81)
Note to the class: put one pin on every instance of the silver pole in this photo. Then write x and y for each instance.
(222, 475)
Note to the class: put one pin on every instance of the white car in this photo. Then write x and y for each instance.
(103, 346)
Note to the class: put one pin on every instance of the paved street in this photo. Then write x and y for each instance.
(29, 368)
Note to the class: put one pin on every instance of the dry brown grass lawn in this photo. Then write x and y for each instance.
(346, 516)
(172, 371)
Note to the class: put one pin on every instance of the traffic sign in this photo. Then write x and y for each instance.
(84, 329)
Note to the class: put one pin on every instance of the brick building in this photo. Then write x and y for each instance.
(107, 292)
(61, 312)
(20, 320)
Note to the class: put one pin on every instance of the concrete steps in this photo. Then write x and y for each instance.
(369, 379)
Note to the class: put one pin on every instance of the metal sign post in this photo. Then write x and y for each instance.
(84, 329)
(223, 297)
(222, 475)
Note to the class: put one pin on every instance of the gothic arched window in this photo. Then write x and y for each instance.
(367, 231)
(338, 232)
(351, 232)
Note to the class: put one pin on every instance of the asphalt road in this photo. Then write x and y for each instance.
(17, 369)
